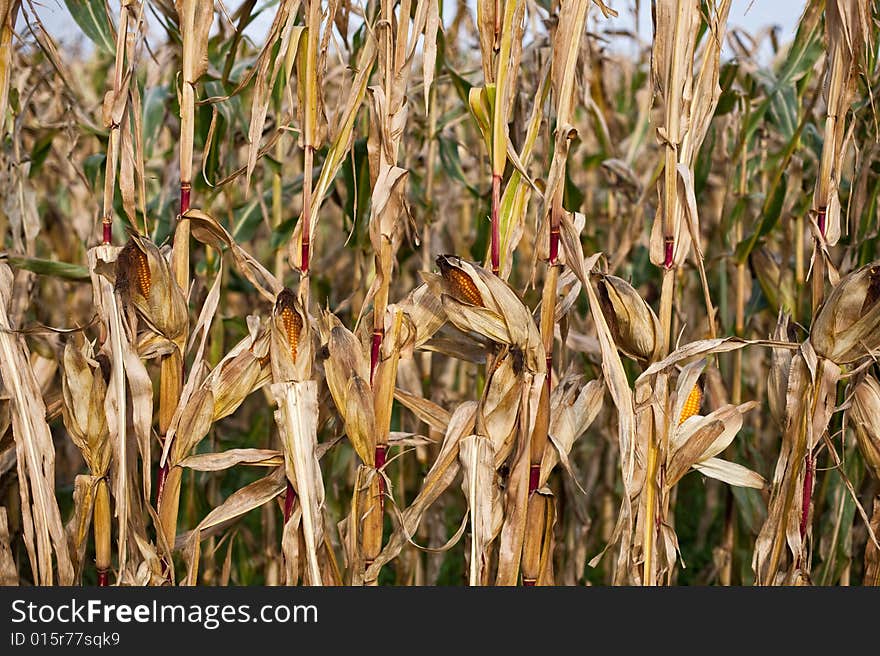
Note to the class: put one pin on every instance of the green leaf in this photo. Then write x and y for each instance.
(247, 220)
(94, 167)
(451, 162)
(42, 148)
(770, 215)
(92, 18)
(49, 267)
(155, 108)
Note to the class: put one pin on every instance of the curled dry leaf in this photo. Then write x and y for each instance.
(780, 365)
(439, 478)
(84, 386)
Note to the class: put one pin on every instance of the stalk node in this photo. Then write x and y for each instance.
(534, 477)
(668, 248)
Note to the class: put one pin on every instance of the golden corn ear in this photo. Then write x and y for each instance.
(461, 284)
(285, 306)
(692, 405)
(132, 266)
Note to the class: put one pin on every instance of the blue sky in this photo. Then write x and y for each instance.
(750, 15)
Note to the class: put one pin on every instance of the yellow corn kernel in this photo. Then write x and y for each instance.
(462, 286)
(692, 405)
(292, 325)
(290, 318)
(132, 263)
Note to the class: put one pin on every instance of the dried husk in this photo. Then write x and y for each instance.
(347, 372)
(476, 300)
(84, 388)
(847, 326)
(633, 324)
(865, 414)
(780, 365)
(144, 280)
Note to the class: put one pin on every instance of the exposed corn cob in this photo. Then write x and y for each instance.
(132, 267)
(692, 405)
(460, 283)
(290, 318)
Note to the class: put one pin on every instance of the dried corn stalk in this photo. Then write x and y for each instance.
(848, 36)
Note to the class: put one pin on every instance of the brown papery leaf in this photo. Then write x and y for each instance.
(8, 572)
(236, 504)
(232, 457)
(730, 473)
(297, 419)
(482, 492)
(427, 411)
(287, 36)
(35, 450)
(572, 410)
(439, 478)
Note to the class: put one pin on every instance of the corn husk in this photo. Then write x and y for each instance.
(476, 300)
(865, 414)
(847, 326)
(144, 280)
(633, 324)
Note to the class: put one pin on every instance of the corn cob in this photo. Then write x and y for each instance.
(460, 283)
(692, 404)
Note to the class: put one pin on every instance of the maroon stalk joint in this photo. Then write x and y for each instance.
(289, 498)
(822, 220)
(103, 578)
(668, 252)
(374, 352)
(554, 245)
(304, 256)
(185, 190)
(534, 477)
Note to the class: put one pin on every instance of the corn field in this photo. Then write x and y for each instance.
(426, 293)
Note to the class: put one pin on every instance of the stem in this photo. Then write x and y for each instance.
(807, 494)
(381, 455)
(496, 228)
(667, 293)
(277, 210)
(740, 281)
(102, 532)
(726, 574)
(308, 158)
(650, 502)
